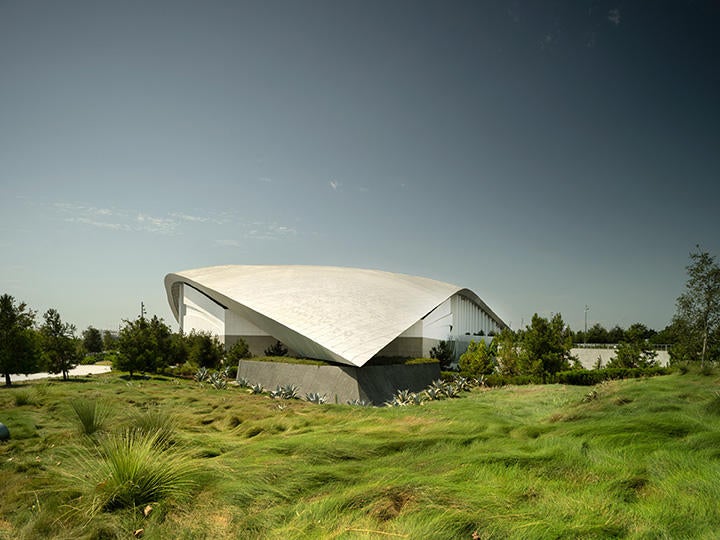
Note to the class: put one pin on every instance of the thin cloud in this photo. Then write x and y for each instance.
(614, 16)
(188, 217)
(156, 224)
(223, 242)
(100, 224)
(172, 223)
(334, 185)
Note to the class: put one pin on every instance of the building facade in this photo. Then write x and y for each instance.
(342, 315)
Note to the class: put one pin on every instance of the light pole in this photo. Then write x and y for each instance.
(587, 308)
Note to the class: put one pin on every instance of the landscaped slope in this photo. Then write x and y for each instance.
(626, 459)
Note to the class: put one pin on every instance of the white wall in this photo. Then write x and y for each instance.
(437, 323)
(236, 325)
(470, 318)
(200, 313)
(589, 357)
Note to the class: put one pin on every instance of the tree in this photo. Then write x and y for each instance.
(19, 350)
(61, 349)
(508, 351)
(616, 334)
(144, 346)
(546, 346)
(205, 349)
(444, 353)
(632, 354)
(109, 341)
(478, 359)
(638, 332)
(92, 340)
(698, 309)
(597, 334)
(278, 349)
(239, 351)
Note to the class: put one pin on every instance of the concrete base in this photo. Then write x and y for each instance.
(340, 384)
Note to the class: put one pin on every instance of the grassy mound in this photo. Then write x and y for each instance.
(632, 458)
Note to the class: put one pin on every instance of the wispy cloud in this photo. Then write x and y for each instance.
(156, 224)
(116, 220)
(267, 231)
(173, 223)
(223, 242)
(614, 16)
(334, 184)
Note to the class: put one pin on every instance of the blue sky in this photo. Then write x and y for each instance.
(547, 155)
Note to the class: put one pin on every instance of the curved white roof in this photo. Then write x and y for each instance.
(344, 315)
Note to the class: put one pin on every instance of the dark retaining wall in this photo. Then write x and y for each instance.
(375, 384)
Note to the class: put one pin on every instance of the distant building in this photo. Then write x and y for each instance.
(346, 316)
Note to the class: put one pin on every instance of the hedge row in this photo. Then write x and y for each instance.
(577, 377)
(584, 377)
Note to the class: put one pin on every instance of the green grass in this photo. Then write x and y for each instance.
(641, 459)
(91, 414)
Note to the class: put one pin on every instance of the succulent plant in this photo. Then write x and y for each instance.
(201, 374)
(316, 398)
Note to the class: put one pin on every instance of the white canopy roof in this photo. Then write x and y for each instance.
(344, 315)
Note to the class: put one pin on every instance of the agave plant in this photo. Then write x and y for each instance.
(288, 391)
(433, 394)
(217, 381)
(243, 382)
(438, 386)
(451, 391)
(359, 403)
(201, 374)
(257, 389)
(405, 397)
(316, 398)
(462, 384)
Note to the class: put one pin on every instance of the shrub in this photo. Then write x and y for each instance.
(132, 469)
(443, 352)
(278, 349)
(92, 415)
(584, 377)
(239, 351)
(478, 359)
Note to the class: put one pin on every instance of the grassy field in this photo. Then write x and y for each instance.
(635, 459)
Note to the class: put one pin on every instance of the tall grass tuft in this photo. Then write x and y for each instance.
(133, 470)
(158, 422)
(713, 406)
(91, 413)
(22, 397)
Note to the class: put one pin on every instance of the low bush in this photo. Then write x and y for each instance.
(585, 377)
